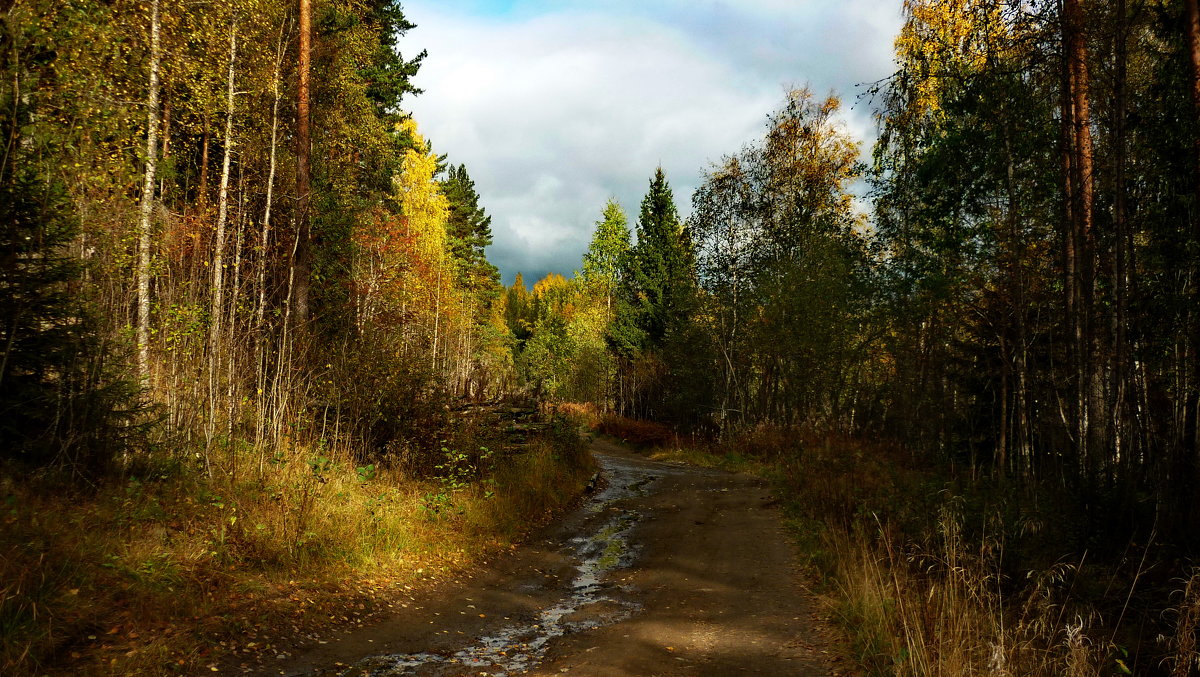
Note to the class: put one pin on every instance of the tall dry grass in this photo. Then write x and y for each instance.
(931, 576)
(639, 433)
(942, 609)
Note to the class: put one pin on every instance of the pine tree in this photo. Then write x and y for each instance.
(389, 75)
(469, 230)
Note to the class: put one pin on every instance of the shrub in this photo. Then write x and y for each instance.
(646, 434)
(586, 414)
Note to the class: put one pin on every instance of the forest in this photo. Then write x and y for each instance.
(248, 325)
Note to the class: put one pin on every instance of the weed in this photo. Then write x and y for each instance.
(1185, 659)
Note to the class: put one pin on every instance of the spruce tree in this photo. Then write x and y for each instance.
(605, 256)
(62, 398)
(661, 264)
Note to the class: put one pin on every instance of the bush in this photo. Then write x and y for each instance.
(585, 414)
(646, 434)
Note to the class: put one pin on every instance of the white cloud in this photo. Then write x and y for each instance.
(554, 107)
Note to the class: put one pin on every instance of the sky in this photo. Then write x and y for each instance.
(555, 106)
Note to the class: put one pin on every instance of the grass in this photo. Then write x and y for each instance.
(714, 457)
(930, 575)
(168, 570)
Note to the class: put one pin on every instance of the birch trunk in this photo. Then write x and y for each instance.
(218, 272)
(265, 235)
(218, 265)
(147, 204)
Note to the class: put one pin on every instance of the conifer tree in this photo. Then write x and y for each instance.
(469, 230)
(605, 256)
(61, 398)
(661, 264)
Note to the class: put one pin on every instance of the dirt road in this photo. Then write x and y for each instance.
(668, 570)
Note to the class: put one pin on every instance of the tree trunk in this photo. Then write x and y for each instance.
(147, 204)
(1082, 229)
(1121, 388)
(1190, 447)
(218, 272)
(1069, 229)
(302, 262)
(202, 191)
(1014, 363)
(218, 266)
(264, 240)
(437, 314)
(1193, 40)
(234, 301)
(166, 132)
(264, 248)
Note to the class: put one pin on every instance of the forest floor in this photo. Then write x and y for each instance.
(668, 569)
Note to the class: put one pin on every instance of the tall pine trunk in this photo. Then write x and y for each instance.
(302, 261)
(1081, 235)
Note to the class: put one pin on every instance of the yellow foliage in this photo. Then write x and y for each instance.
(549, 284)
(425, 208)
(946, 39)
(403, 272)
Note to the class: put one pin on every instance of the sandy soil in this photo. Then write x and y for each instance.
(668, 570)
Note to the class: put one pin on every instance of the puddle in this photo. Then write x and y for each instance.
(590, 601)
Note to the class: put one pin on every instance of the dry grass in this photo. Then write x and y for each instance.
(1185, 660)
(152, 575)
(714, 456)
(941, 610)
(917, 595)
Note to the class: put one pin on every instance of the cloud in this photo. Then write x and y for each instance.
(555, 107)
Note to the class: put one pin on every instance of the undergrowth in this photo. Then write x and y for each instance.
(151, 572)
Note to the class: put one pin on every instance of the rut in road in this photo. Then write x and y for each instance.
(669, 570)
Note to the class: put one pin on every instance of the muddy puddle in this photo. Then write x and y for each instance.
(589, 601)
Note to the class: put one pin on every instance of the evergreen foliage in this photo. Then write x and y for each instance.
(605, 258)
(63, 395)
(658, 282)
(469, 229)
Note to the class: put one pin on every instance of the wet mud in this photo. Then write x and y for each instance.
(589, 601)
